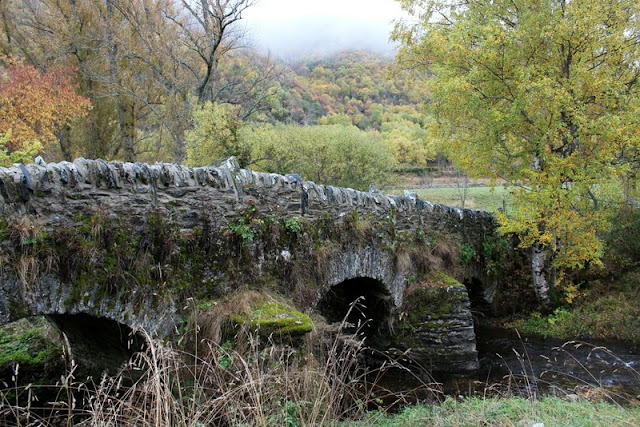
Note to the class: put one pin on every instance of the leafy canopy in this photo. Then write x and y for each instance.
(339, 155)
(543, 94)
(214, 135)
(32, 106)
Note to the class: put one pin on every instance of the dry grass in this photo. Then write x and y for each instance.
(443, 255)
(26, 234)
(261, 384)
(25, 231)
(28, 270)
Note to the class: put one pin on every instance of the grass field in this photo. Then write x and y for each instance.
(481, 198)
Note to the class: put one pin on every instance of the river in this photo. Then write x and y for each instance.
(512, 365)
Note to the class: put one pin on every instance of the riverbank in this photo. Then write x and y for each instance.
(513, 411)
(522, 387)
(605, 311)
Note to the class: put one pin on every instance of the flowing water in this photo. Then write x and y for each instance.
(533, 367)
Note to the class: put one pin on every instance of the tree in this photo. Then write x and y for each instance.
(108, 42)
(543, 94)
(208, 29)
(141, 62)
(215, 135)
(409, 141)
(32, 106)
(331, 154)
(24, 154)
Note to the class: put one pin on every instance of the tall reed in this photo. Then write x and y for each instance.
(260, 383)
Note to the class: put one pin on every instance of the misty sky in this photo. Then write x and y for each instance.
(293, 27)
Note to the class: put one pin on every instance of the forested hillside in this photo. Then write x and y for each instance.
(359, 85)
(317, 109)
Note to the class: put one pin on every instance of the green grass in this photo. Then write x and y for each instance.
(514, 411)
(615, 316)
(481, 198)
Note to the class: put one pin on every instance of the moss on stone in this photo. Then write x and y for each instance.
(438, 279)
(428, 299)
(28, 343)
(274, 318)
(4, 229)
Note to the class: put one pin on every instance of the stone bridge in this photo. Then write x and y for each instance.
(103, 248)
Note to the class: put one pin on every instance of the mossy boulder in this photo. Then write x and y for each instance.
(32, 344)
(274, 319)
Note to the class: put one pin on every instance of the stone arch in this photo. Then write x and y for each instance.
(138, 309)
(373, 262)
(102, 329)
(373, 312)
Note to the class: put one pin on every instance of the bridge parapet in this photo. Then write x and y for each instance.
(128, 188)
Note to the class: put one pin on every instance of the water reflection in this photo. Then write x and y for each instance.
(511, 364)
(531, 367)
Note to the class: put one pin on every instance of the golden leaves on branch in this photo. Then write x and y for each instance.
(34, 104)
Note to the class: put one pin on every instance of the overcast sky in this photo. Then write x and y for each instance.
(293, 27)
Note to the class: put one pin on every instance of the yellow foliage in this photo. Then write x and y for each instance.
(542, 94)
(23, 155)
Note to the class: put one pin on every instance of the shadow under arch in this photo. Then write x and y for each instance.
(98, 345)
(374, 310)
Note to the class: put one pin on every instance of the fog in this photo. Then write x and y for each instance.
(289, 28)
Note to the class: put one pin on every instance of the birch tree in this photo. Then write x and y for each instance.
(542, 94)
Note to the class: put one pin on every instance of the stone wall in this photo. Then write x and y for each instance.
(56, 191)
(133, 242)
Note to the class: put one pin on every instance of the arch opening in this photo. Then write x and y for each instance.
(373, 312)
(98, 344)
(478, 297)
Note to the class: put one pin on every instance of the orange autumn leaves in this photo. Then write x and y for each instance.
(33, 105)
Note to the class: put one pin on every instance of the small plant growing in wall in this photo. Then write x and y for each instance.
(243, 230)
(494, 251)
(467, 253)
(293, 225)
(424, 238)
(243, 227)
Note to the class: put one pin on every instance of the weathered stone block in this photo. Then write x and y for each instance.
(437, 326)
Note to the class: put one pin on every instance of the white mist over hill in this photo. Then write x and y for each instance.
(300, 27)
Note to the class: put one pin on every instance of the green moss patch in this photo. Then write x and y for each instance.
(428, 299)
(438, 279)
(272, 318)
(33, 345)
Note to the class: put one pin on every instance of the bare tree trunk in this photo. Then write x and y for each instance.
(65, 143)
(123, 109)
(462, 185)
(539, 260)
(129, 136)
(539, 271)
(179, 150)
